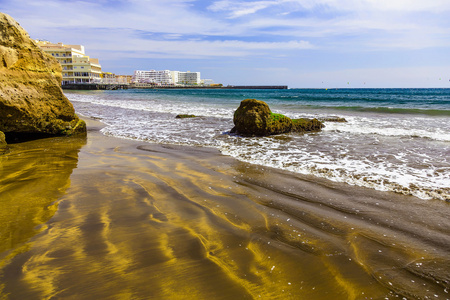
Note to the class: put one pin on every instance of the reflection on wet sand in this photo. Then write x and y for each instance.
(143, 221)
(33, 175)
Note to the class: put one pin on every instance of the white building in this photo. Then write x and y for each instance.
(167, 77)
(206, 81)
(188, 78)
(158, 77)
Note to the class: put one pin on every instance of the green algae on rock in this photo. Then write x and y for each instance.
(334, 119)
(306, 125)
(31, 98)
(254, 118)
(184, 116)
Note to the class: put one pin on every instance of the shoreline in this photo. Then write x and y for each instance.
(99, 86)
(150, 220)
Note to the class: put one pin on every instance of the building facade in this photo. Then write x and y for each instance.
(156, 77)
(167, 77)
(77, 67)
(188, 78)
(207, 82)
(124, 79)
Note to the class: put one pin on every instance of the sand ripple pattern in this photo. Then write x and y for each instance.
(142, 221)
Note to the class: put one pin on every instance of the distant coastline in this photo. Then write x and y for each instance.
(97, 86)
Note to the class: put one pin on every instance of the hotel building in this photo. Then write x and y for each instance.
(188, 78)
(77, 67)
(167, 77)
(157, 77)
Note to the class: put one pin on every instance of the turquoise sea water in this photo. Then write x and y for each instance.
(393, 140)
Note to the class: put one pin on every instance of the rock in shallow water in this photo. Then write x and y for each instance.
(184, 116)
(254, 118)
(31, 98)
(307, 125)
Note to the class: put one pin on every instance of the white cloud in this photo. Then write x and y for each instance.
(374, 5)
(264, 32)
(169, 16)
(406, 24)
(240, 8)
(368, 24)
(199, 49)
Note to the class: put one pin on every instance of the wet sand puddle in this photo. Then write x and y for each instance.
(142, 221)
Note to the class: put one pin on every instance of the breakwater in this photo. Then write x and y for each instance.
(258, 87)
(94, 86)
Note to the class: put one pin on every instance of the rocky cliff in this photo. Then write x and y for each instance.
(31, 99)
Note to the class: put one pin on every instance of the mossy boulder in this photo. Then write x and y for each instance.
(254, 118)
(306, 125)
(183, 116)
(334, 119)
(31, 98)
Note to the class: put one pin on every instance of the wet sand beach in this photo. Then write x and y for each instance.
(107, 218)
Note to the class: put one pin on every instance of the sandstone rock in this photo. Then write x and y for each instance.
(31, 98)
(2, 141)
(254, 118)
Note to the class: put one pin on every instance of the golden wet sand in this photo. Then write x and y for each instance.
(105, 218)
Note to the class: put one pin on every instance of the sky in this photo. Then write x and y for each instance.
(299, 43)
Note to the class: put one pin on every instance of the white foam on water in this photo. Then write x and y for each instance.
(438, 131)
(157, 105)
(385, 176)
(405, 154)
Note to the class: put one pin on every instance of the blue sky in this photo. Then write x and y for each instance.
(299, 43)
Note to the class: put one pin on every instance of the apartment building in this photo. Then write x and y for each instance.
(77, 67)
(167, 77)
(157, 77)
(188, 78)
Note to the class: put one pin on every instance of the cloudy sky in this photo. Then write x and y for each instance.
(300, 43)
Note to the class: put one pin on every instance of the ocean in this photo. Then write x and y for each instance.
(394, 139)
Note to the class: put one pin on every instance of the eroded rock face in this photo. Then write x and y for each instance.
(2, 141)
(31, 98)
(254, 118)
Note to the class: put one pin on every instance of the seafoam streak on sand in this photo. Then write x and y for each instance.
(166, 221)
(403, 148)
